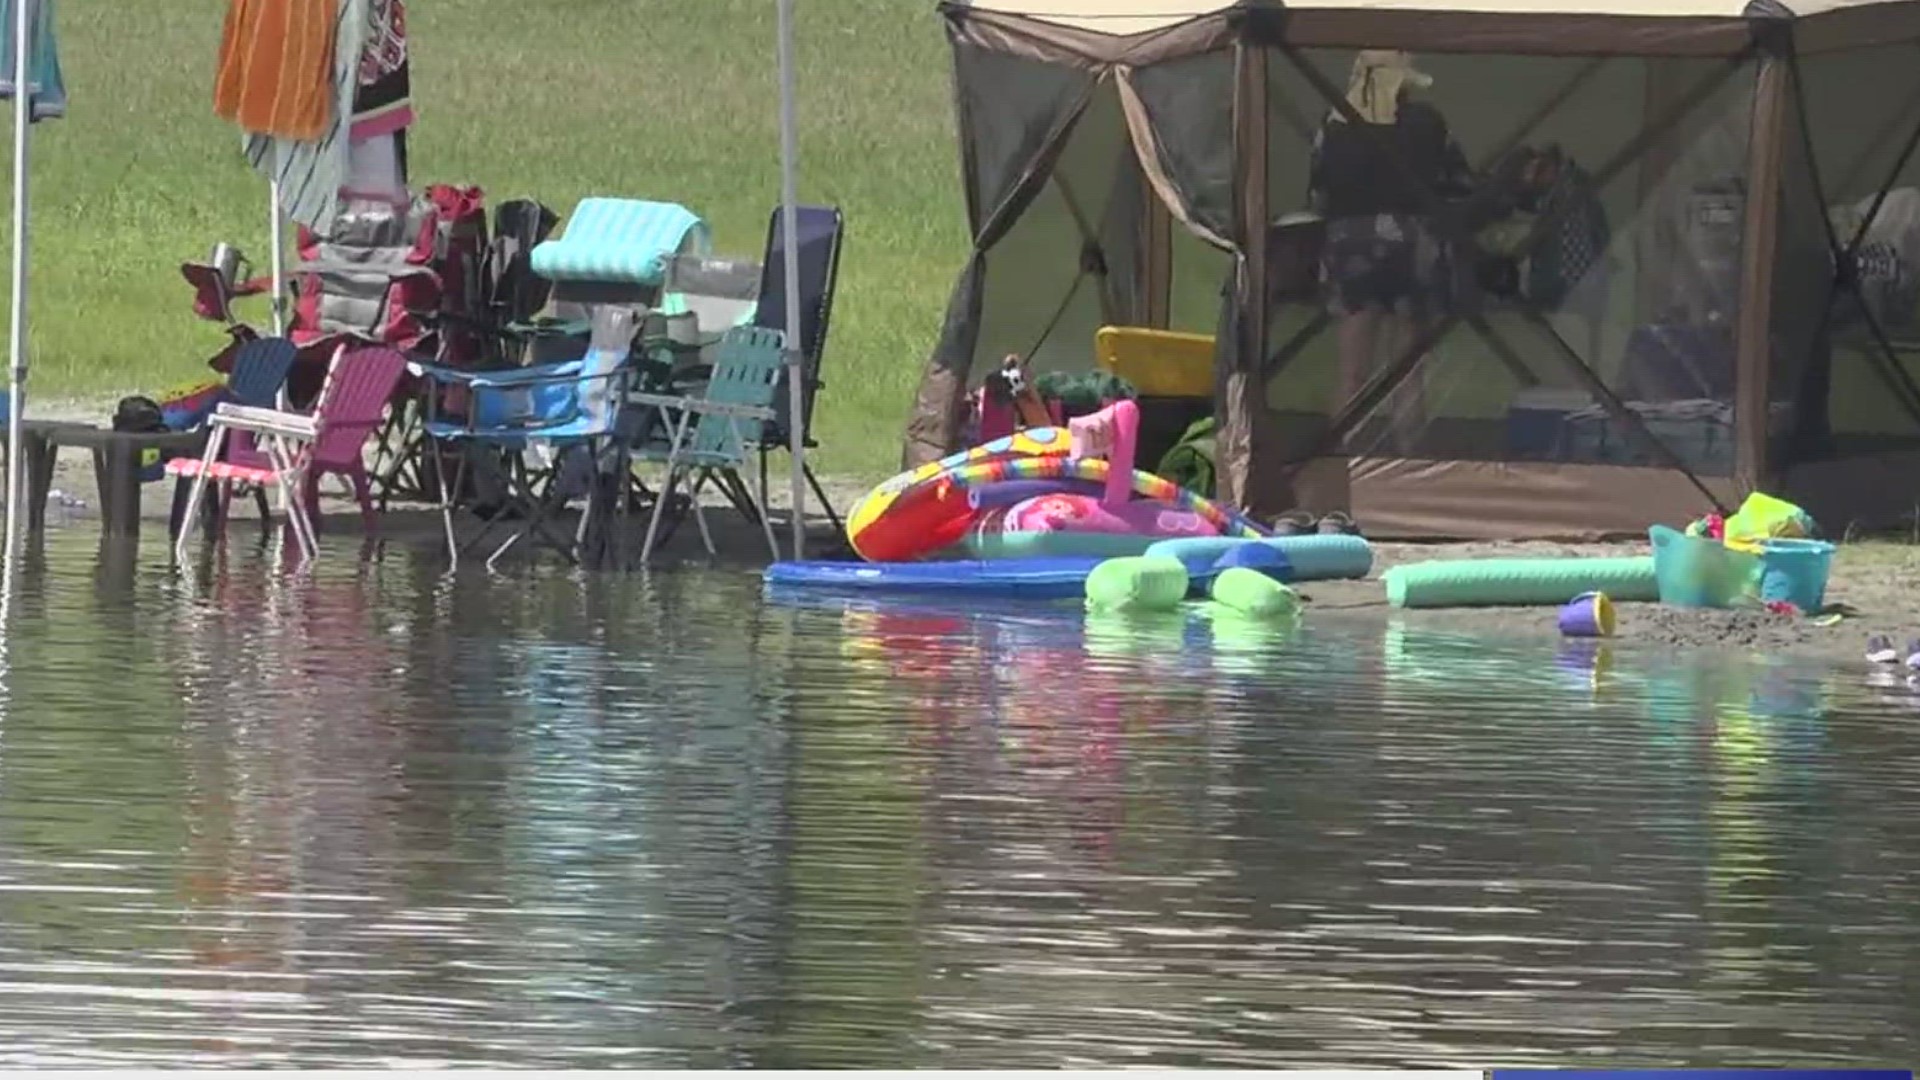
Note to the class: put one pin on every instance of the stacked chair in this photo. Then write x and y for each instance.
(646, 348)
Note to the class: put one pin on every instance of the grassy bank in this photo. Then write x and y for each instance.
(550, 100)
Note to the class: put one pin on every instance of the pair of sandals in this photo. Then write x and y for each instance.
(1880, 650)
(1302, 523)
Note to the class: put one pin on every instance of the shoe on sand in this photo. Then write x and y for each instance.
(1880, 650)
(1337, 524)
(1293, 523)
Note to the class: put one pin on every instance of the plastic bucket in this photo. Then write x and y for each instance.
(1796, 571)
(1696, 572)
(1589, 615)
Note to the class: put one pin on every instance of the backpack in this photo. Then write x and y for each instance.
(142, 414)
(138, 413)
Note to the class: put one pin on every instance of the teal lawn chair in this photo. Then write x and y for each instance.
(711, 437)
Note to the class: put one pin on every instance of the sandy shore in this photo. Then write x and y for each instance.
(1879, 582)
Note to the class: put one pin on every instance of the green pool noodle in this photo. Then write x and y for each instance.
(1253, 593)
(1518, 582)
(1137, 583)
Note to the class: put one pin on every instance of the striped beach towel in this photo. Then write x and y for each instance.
(311, 173)
(276, 67)
(47, 94)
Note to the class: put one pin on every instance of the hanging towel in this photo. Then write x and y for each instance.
(1190, 462)
(383, 104)
(48, 95)
(311, 174)
(276, 67)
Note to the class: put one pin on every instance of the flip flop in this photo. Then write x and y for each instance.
(1337, 524)
(1293, 523)
(1880, 650)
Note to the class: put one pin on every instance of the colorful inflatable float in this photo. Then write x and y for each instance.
(1042, 492)
(1032, 515)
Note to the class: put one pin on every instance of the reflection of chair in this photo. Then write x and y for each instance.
(820, 230)
(564, 406)
(712, 434)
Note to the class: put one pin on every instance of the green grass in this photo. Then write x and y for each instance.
(555, 100)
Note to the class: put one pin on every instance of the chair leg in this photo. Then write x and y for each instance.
(310, 498)
(363, 494)
(446, 506)
(260, 502)
(760, 511)
(215, 442)
(191, 517)
(700, 515)
(653, 522)
(833, 516)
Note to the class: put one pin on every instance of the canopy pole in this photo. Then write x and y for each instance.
(277, 240)
(790, 240)
(17, 344)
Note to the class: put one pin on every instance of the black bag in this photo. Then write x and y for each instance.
(138, 414)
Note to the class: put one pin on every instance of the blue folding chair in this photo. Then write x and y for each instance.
(568, 408)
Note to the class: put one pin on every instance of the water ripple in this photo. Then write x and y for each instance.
(377, 818)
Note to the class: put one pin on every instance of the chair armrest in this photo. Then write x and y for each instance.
(506, 379)
(702, 406)
(265, 421)
(360, 270)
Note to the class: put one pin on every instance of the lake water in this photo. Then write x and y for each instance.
(374, 817)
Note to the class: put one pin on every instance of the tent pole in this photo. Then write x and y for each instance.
(790, 240)
(1244, 471)
(17, 344)
(1753, 338)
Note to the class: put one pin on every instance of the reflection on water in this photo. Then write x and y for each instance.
(374, 817)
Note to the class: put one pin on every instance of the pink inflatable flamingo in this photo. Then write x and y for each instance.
(1113, 433)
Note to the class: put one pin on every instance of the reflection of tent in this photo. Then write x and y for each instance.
(1118, 152)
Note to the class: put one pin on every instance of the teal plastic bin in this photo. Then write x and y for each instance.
(1796, 571)
(1695, 571)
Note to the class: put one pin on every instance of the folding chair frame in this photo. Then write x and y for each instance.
(685, 411)
(529, 491)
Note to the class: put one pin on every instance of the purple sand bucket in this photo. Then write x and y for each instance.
(1587, 615)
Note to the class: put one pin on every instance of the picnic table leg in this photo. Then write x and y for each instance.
(120, 484)
(39, 452)
(120, 508)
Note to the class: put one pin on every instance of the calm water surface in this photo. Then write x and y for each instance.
(379, 818)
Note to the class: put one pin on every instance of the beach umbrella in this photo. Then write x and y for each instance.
(789, 207)
(33, 64)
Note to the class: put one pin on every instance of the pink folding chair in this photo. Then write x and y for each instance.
(292, 451)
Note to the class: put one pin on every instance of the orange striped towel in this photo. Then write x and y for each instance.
(276, 67)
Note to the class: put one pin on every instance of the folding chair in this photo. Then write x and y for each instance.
(566, 408)
(299, 448)
(712, 435)
(820, 230)
(257, 380)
